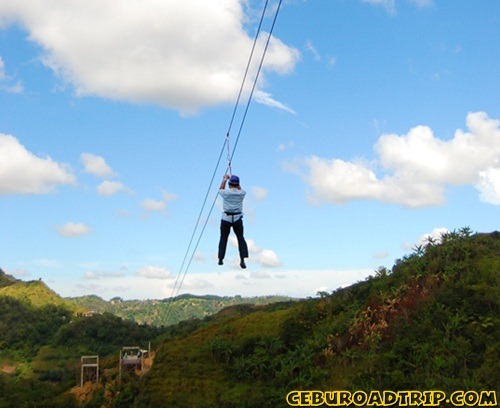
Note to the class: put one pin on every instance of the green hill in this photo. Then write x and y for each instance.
(36, 293)
(429, 323)
(168, 311)
(42, 338)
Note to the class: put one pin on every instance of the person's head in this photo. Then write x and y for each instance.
(234, 181)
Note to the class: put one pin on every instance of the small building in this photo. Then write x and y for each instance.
(132, 357)
(89, 369)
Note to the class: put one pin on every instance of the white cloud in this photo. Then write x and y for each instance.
(169, 196)
(19, 273)
(96, 165)
(489, 186)
(252, 246)
(199, 257)
(295, 283)
(380, 255)
(153, 205)
(47, 263)
(389, 5)
(7, 83)
(267, 257)
(123, 213)
(312, 49)
(90, 288)
(108, 188)
(414, 168)
(435, 236)
(285, 146)
(331, 60)
(265, 98)
(258, 255)
(259, 193)
(193, 284)
(422, 3)
(154, 272)
(182, 54)
(16, 88)
(22, 172)
(73, 230)
(259, 275)
(2, 69)
(249, 282)
(91, 275)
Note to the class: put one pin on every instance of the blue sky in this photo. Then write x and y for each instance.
(374, 124)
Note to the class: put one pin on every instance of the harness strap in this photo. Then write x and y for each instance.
(232, 215)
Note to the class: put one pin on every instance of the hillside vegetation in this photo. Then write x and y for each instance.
(40, 350)
(36, 293)
(431, 322)
(168, 311)
(43, 336)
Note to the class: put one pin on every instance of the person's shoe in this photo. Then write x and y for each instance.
(221, 262)
(242, 264)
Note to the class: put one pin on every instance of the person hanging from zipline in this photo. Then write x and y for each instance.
(232, 216)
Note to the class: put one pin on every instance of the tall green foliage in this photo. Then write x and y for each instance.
(44, 345)
(103, 334)
(430, 322)
(24, 328)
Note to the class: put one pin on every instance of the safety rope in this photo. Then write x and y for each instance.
(229, 156)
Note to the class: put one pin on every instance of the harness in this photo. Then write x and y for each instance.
(232, 214)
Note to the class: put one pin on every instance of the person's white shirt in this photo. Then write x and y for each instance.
(232, 203)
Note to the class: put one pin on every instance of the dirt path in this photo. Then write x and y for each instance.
(8, 369)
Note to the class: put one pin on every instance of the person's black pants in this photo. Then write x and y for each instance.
(225, 229)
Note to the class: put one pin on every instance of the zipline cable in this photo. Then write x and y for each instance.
(250, 58)
(225, 145)
(180, 277)
(256, 78)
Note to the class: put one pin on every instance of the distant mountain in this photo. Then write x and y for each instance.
(158, 313)
(169, 311)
